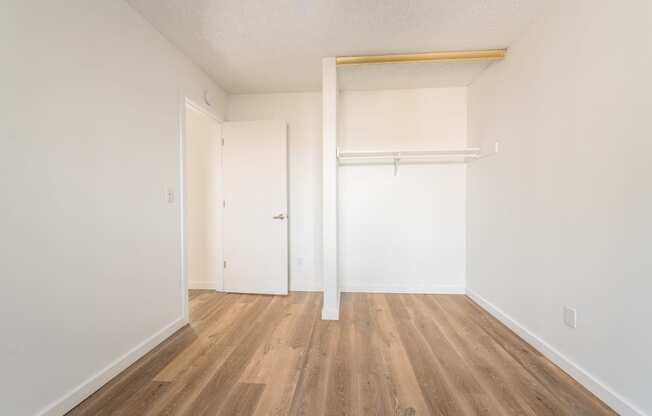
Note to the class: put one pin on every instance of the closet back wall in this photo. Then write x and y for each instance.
(403, 233)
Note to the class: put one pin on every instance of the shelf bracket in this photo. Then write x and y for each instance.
(397, 161)
(495, 152)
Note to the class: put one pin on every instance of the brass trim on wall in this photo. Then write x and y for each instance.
(489, 54)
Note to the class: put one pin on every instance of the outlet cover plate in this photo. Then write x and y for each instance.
(570, 317)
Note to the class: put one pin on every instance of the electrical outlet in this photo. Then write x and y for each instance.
(570, 317)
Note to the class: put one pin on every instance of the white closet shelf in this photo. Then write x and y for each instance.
(460, 155)
(408, 154)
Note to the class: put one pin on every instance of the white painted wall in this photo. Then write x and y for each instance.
(562, 215)
(302, 112)
(203, 186)
(90, 249)
(409, 119)
(402, 233)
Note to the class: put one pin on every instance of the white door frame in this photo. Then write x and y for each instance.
(182, 197)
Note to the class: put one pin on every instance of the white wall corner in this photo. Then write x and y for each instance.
(329, 189)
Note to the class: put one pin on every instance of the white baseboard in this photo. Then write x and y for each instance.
(75, 396)
(306, 287)
(582, 376)
(203, 285)
(330, 314)
(419, 289)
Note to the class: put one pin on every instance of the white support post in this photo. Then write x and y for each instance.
(331, 305)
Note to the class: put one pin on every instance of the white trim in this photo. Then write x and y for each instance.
(330, 314)
(581, 375)
(266, 292)
(75, 396)
(181, 196)
(305, 286)
(219, 282)
(329, 189)
(415, 289)
(202, 285)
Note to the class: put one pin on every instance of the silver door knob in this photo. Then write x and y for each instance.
(279, 217)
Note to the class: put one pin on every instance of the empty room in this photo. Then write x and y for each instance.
(325, 207)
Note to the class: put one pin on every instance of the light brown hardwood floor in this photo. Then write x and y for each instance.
(387, 355)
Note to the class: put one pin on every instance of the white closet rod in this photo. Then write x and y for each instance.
(435, 156)
(409, 154)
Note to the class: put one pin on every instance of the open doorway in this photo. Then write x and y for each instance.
(202, 208)
(235, 214)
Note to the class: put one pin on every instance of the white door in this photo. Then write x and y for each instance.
(255, 216)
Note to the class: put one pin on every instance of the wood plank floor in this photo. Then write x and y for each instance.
(388, 355)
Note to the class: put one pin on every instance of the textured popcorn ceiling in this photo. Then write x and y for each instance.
(251, 46)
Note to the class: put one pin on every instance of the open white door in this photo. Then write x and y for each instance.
(255, 216)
